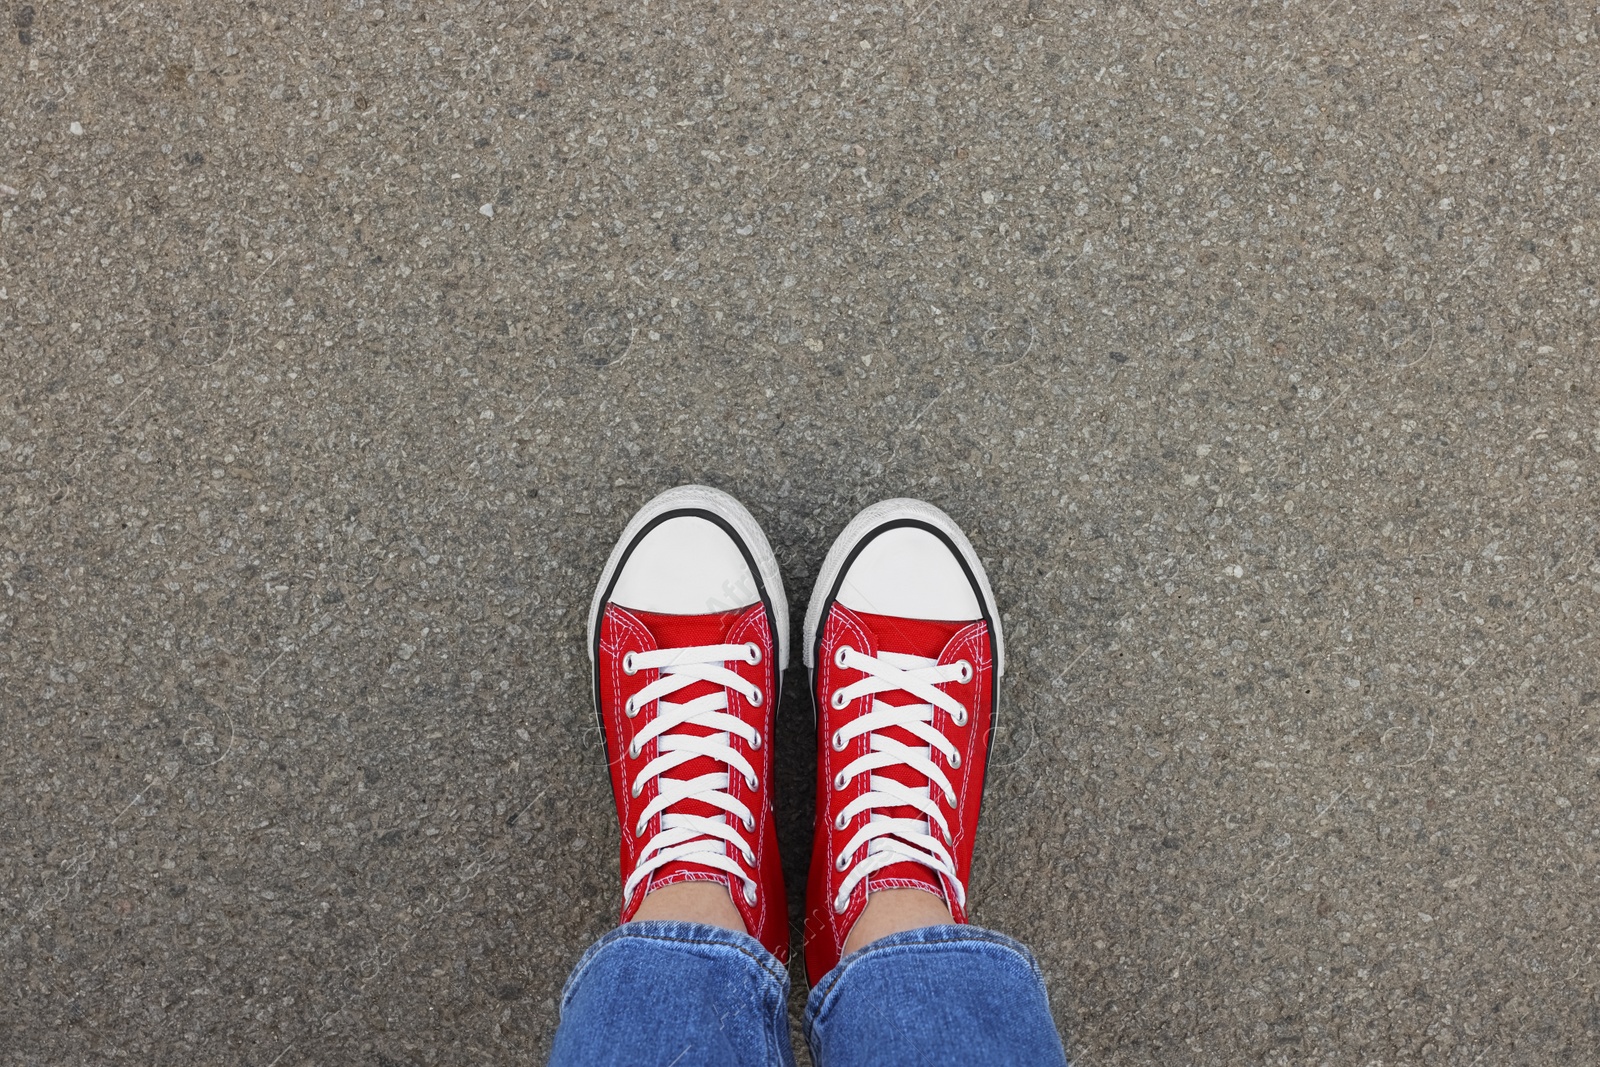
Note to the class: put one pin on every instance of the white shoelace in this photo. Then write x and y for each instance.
(892, 840)
(697, 839)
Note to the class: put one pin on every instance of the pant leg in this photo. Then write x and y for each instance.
(938, 995)
(675, 993)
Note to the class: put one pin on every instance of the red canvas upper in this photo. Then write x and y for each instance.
(948, 643)
(623, 630)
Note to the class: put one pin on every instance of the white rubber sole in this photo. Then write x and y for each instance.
(741, 525)
(889, 513)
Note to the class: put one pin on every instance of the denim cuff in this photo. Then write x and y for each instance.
(688, 936)
(901, 969)
(949, 934)
(649, 994)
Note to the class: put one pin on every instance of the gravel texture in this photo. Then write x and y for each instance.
(1254, 345)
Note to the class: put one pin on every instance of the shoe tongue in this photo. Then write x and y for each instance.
(688, 631)
(926, 638)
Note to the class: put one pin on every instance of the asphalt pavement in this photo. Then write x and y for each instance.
(1253, 345)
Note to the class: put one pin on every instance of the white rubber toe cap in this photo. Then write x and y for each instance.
(907, 558)
(909, 573)
(685, 566)
(691, 551)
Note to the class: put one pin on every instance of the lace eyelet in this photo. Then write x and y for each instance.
(955, 759)
(838, 657)
(838, 740)
(752, 653)
(749, 823)
(753, 783)
(629, 664)
(638, 831)
(756, 699)
(749, 894)
(966, 671)
(839, 700)
(755, 743)
(840, 824)
(629, 708)
(749, 857)
(841, 863)
(839, 904)
(960, 720)
(840, 781)
(633, 750)
(638, 787)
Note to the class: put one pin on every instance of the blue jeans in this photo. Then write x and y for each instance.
(687, 995)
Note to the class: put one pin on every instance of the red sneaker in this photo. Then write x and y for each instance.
(904, 644)
(689, 637)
